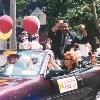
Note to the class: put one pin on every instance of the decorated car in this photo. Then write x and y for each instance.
(39, 83)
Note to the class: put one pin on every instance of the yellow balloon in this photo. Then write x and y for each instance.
(4, 36)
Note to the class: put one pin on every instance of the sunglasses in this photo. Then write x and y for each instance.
(66, 59)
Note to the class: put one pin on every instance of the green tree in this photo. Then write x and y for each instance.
(22, 7)
(76, 11)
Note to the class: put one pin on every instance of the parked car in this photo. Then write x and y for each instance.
(80, 84)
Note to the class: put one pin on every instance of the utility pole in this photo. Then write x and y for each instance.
(13, 40)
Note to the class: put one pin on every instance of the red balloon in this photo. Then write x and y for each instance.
(6, 24)
(31, 24)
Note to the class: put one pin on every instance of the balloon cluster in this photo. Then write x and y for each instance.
(31, 25)
(6, 24)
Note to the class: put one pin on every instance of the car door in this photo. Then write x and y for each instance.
(81, 85)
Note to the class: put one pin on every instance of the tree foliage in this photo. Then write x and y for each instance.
(75, 11)
(22, 7)
(59, 8)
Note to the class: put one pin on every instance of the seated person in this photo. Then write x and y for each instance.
(71, 60)
(17, 65)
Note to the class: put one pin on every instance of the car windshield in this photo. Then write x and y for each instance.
(29, 63)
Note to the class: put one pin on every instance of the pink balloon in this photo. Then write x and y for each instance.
(6, 23)
(31, 24)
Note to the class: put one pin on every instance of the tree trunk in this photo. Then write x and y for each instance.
(95, 18)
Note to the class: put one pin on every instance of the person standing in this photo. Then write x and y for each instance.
(85, 50)
(25, 44)
(34, 43)
(63, 39)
